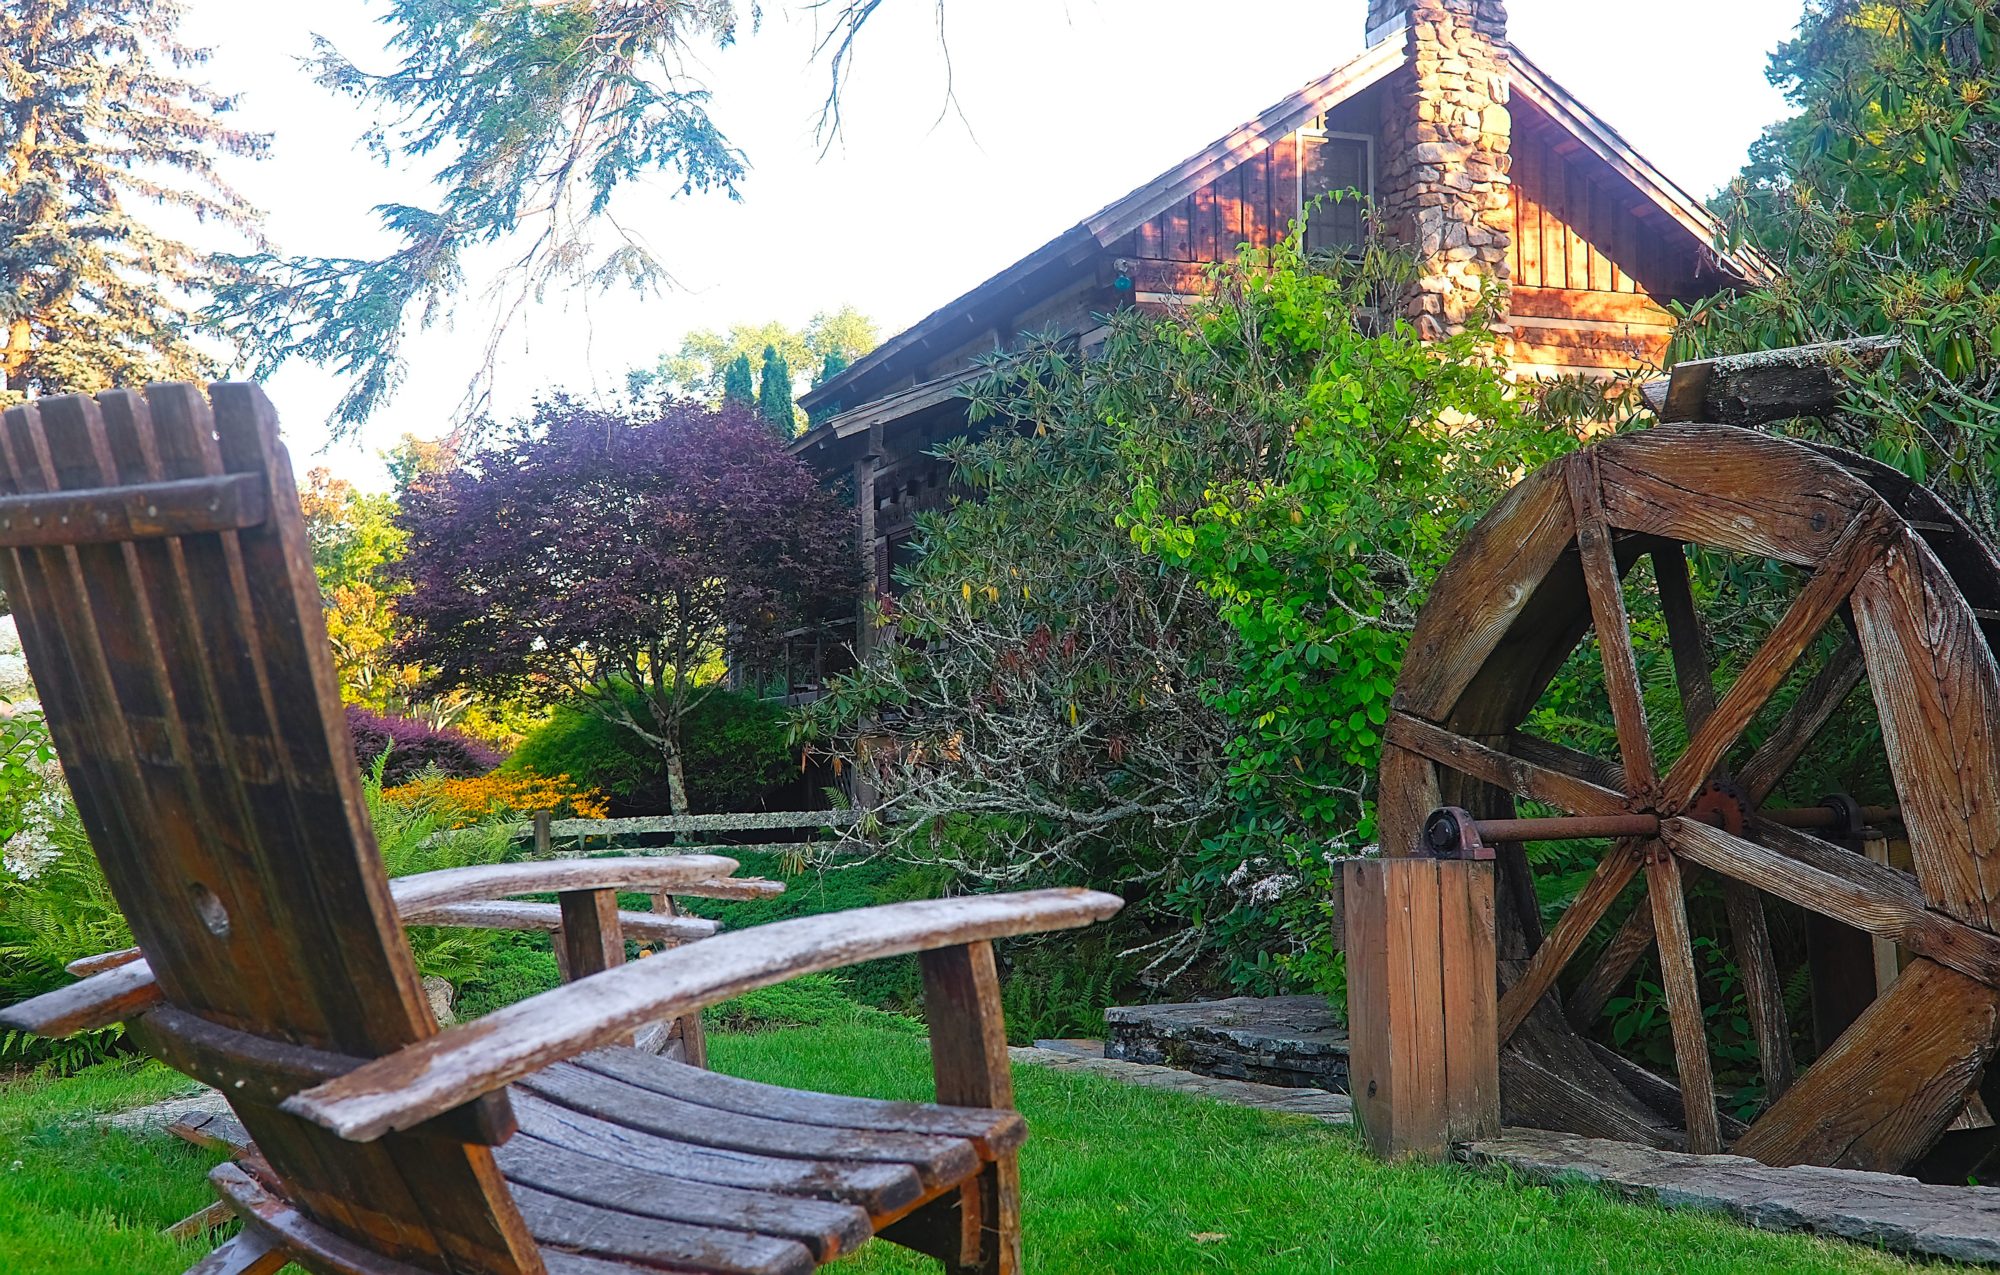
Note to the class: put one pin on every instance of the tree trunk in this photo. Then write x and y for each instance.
(677, 791)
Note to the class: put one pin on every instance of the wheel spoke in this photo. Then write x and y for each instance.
(1502, 770)
(1677, 976)
(1858, 549)
(1614, 871)
(1543, 752)
(1763, 994)
(1801, 723)
(1614, 634)
(1612, 966)
(1692, 670)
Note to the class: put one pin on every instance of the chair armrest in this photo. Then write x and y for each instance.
(115, 986)
(420, 1081)
(646, 927)
(671, 875)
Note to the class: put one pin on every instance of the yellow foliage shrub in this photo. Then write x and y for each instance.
(502, 795)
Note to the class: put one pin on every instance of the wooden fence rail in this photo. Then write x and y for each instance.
(674, 825)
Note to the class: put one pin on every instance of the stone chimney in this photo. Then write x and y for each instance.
(1441, 181)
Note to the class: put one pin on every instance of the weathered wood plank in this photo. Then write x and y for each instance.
(1683, 990)
(939, 1161)
(1409, 792)
(1860, 546)
(1891, 1083)
(1769, 385)
(879, 1188)
(579, 1227)
(646, 927)
(1763, 993)
(281, 1228)
(107, 515)
(1614, 635)
(1729, 489)
(441, 1073)
(1515, 774)
(1866, 907)
(246, 1254)
(972, 1068)
(1483, 590)
(1613, 873)
(827, 1229)
(1802, 721)
(1938, 691)
(97, 1001)
(676, 873)
(1467, 945)
(990, 1130)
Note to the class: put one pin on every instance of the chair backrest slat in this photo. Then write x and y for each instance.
(190, 690)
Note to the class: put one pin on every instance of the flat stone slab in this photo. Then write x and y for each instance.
(158, 1115)
(1961, 1223)
(1293, 1042)
(1314, 1104)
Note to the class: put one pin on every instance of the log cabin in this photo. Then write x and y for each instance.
(1468, 152)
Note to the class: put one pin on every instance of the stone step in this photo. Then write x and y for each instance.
(1961, 1223)
(1328, 1108)
(1293, 1042)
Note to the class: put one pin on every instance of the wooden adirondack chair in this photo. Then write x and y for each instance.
(158, 568)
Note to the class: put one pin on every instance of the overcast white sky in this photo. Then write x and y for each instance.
(1068, 104)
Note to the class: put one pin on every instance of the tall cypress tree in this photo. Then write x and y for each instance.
(774, 394)
(95, 119)
(835, 364)
(737, 384)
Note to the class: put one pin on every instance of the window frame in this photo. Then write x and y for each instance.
(1322, 133)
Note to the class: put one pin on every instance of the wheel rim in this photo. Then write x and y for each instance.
(1544, 570)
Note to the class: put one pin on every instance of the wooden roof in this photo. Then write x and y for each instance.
(1032, 274)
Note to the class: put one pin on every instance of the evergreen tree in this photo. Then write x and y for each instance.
(774, 394)
(835, 364)
(94, 118)
(737, 385)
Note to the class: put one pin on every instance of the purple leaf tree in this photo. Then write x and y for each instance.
(583, 550)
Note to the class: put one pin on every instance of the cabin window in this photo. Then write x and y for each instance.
(1328, 162)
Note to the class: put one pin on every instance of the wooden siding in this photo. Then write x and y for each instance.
(1590, 255)
(1251, 203)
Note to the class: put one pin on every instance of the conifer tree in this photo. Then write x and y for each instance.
(774, 394)
(835, 364)
(738, 387)
(95, 122)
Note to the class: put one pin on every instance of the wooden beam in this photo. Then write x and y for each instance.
(1768, 385)
(1517, 775)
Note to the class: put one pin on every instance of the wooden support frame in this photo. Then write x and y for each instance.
(1422, 1000)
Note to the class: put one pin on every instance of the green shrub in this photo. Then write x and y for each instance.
(734, 751)
(812, 1000)
(515, 966)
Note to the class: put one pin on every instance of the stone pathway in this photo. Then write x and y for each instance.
(1961, 1223)
(1315, 1104)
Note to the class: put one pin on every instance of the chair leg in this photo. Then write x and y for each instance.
(970, 1062)
(975, 1230)
(247, 1254)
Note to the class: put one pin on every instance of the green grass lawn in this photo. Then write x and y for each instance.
(1115, 1179)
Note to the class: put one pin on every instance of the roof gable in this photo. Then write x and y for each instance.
(1108, 225)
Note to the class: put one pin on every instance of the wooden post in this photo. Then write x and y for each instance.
(1422, 998)
(545, 843)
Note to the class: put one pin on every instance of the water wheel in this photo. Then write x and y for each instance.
(1544, 575)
